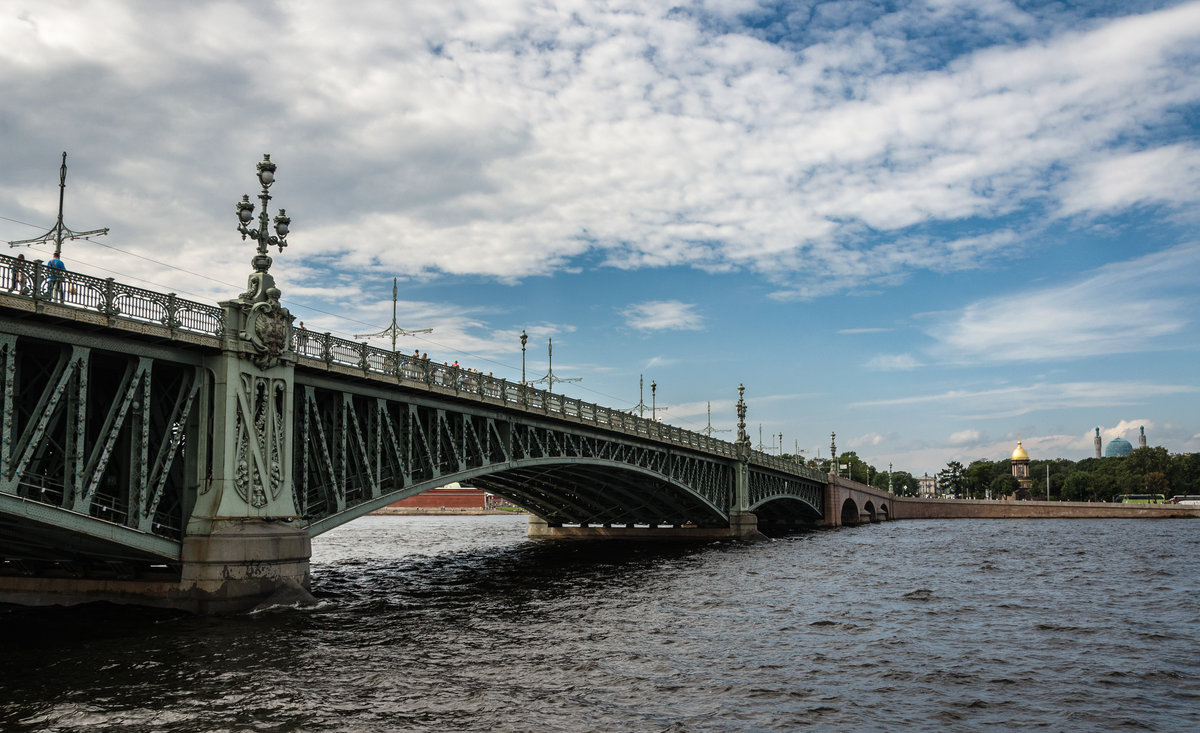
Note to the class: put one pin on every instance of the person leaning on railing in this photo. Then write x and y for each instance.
(55, 277)
(19, 281)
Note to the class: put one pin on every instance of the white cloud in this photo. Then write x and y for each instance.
(663, 315)
(1016, 400)
(529, 135)
(964, 437)
(866, 441)
(1124, 307)
(893, 362)
(1110, 183)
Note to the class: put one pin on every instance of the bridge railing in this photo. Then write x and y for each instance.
(33, 279)
(410, 368)
(787, 466)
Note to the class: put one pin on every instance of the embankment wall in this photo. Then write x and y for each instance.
(905, 508)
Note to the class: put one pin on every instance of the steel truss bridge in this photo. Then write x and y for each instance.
(121, 422)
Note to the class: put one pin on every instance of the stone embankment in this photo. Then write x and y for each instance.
(904, 508)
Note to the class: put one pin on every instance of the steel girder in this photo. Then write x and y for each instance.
(777, 497)
(92, 445)
(359, 448)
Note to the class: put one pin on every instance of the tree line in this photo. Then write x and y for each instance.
(1144, 471)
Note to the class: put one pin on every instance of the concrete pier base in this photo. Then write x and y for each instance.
(235, 569)
(744, 526)
(244, 564)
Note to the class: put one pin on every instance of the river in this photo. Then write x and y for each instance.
(462, 624)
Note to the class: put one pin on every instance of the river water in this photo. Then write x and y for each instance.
(462, 624)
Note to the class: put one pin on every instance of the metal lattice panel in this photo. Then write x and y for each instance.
(107, 438)
(766, 487)
(358, 448)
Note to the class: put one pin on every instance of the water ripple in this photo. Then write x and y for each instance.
(461, 623)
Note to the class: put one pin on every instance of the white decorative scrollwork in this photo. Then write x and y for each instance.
(261, 432)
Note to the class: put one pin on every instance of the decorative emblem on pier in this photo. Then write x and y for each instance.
(269, 325)
(260, 439)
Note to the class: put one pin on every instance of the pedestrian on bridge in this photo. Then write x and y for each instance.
(19, 280)
(55, 277)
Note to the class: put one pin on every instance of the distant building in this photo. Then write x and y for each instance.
(1020, 468)
(927, 487)
(1119, 447)
(453, 496)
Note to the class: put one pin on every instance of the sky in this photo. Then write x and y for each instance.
(933, 227)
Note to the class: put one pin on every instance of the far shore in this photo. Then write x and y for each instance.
(414, 511)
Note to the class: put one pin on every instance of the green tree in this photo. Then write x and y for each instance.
(1005, 485)
(1156, 483)
(904, 483)
(979, 477)
(1077, 486)
(952, 478)
(1184, 473)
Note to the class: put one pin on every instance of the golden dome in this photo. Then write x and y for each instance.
(1019, 454)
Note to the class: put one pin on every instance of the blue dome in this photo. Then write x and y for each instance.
(1117, 448)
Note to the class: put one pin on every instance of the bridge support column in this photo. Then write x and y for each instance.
(244, 564)
(743, 523)
(833, 504)
(744, 526)
(245, 543)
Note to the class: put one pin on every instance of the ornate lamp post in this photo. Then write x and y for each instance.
(264, 322)
(742, 437)
(260, 281)
(653, 389)
(833, 452)
(524, 338)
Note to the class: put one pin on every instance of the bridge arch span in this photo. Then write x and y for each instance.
(786, 512)
(850, 513)
(568, 491)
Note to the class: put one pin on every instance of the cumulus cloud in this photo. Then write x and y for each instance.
(893, 362)
(1013, 400)
(964, 437)
(1124, 307)
(1113, 182)
(663, 315)
(512, 139)
(868, 440)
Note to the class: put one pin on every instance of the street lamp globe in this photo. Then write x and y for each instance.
(245, 209)
(266, 171)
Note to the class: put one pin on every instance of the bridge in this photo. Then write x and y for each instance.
(161, 451)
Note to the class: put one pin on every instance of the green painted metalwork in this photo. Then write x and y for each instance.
(229, 412)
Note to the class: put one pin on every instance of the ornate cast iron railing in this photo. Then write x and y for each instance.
(33, 279)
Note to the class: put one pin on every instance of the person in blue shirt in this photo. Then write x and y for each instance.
(54, 278)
